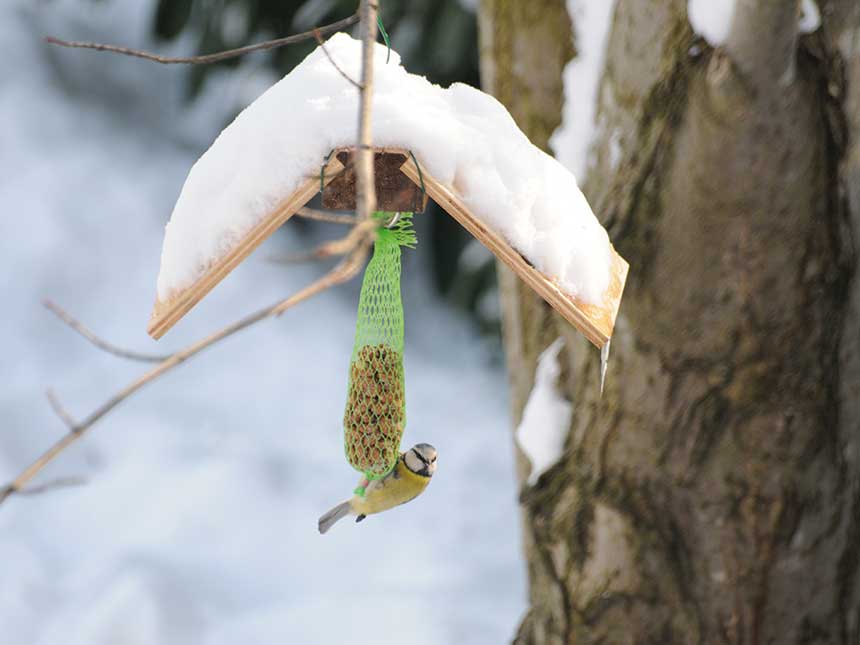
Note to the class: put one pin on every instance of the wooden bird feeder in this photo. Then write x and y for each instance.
(399, 184)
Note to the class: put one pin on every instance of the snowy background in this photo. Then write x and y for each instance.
(198, 521)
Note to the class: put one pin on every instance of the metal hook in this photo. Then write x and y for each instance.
(394, 220)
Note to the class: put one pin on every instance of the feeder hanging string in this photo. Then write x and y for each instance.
(322, 169)
(384, 37)
(420, 174)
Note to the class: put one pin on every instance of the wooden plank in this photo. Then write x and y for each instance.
(596, 322)
(166, 314)
(394, 190)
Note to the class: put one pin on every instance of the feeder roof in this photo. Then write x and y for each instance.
(463, 138)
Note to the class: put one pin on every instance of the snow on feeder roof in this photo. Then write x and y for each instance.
(474, 162)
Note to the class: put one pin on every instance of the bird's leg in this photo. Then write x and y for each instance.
(362, 487)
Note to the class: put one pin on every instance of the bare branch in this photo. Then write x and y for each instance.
(341, 273)
(76, 325)
(350, 241)
(355, 245)
(61, 411)
(365, 189)
(210, 58)
(763, 39)
(321, 43)
(322, 216)
(332, 248)
(344, 245)
(60, 482)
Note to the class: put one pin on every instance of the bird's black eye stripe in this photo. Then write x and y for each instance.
(421, 457)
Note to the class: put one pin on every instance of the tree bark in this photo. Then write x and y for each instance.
(712, 495)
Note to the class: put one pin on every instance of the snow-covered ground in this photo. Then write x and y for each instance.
(198, 522)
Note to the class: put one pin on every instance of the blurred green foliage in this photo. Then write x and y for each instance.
(435, 38)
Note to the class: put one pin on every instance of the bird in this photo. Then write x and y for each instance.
(406, 481)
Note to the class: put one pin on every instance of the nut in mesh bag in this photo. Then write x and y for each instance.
(374, 416)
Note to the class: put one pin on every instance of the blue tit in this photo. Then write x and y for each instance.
(406, 481)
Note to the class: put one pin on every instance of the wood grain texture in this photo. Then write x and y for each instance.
(596, 322)
(166, 314)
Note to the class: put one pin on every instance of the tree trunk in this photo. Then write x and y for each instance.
(712, 495)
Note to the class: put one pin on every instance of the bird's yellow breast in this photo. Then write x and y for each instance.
(400, 486)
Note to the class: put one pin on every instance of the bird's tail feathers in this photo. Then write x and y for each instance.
(337, 513)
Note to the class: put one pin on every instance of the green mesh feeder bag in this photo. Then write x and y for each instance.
(375, 413)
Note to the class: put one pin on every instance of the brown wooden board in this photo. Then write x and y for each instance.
(596, 322)
(166, 314)
(394, 191)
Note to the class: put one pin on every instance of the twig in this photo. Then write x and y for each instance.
(355, 245)
(343, 272)
(348, 267)
(79, 327)
(321, 43)
(209, 58)
(322, 216)
(61, 411)
(60, 482)
(365, 187)
(351, 240)
(333, 247)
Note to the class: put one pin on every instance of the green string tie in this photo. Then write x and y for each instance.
(322, 169)
(420, 174)
(384, 36)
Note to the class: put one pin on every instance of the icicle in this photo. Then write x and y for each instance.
(604, 363)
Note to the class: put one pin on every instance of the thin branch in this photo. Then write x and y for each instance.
(210, 58)
(79, 327)
(355, 245)
(348, 242)
(60, 482)
(330, 249)
(341, 273)
(322, 216)
(365, 187)
(60, 411)
(321, 43)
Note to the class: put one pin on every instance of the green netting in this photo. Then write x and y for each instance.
(375, 413)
